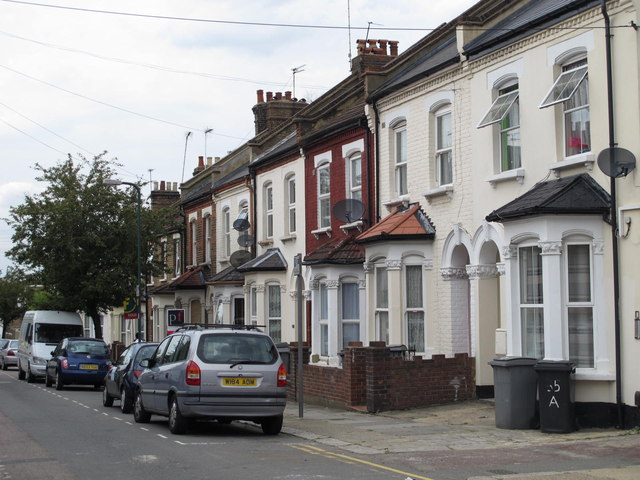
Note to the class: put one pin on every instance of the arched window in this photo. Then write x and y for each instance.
(443, 143)
(324, 195)
(290, 214)
(400, 157)
(268, 210)
(354, 176)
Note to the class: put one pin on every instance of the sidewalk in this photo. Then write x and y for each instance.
(460, 426)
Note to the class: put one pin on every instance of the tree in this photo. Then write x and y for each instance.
(78, 237)
(15, 295)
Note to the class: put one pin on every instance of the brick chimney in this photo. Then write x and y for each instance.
(163, 195)
(200, 166)
(373, 54)
(277, 109)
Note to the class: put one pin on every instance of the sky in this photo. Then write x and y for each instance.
(82, 77)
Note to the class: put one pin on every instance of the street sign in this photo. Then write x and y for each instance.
(130, 306)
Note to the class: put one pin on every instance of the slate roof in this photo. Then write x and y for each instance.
(228, 275)
(270, 261)
(534, 16)
(193, 279)
(578, 194)
(403, 224)
(338, 251)
(284, 145)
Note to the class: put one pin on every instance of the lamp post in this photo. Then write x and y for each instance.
(116, 182)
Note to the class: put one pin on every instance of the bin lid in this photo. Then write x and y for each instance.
(513, 362)
(555, 366)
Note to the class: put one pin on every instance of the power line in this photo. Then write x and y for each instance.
(33, 138)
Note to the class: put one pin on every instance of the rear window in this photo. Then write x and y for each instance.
(13, 344)
(231, 348)
(87, 348)
(55, 332)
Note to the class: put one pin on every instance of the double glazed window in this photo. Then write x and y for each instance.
(571, 89)
(274, 312)
(580, 305)
(350, 308)
(324, 196)
(177, 257)
(443, 144)
(382, 304)
(505, 113)
(354, 173)
(291, 204)
(268, 210)
(414, 307)
(324, 319)
(400, 156)
(531, 302)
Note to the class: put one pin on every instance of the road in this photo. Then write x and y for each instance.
(69, 434)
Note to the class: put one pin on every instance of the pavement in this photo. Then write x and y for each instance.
(465, 426)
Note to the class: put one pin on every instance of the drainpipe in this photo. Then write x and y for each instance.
(377, 164)
(614, 219)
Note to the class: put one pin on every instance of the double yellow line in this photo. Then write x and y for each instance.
(325, 453)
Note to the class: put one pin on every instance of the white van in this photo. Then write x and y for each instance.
(40, 332)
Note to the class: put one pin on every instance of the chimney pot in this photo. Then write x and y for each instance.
(155, 186)
(269, 96)
(287, 95)
(260, 96)
(393, 48)
(201, 161)
(278, 95)
(383, 46)
(217, 159)
(209, 161)
(162, 185)
(175, 186)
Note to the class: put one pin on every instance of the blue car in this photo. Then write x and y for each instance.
(120, 382)
(79, 361)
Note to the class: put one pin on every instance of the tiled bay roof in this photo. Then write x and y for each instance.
(340, 251)
(403, 224)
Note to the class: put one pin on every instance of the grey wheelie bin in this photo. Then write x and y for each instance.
(515, 392)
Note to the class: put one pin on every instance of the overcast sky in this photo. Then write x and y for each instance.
(74, 81)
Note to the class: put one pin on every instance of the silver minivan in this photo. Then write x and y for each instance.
(219, 372)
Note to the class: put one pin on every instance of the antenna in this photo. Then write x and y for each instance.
(296, 70)
(348, 210)
(239, 257)
(184, 158)
(349, 27)
(616, 162)
(208, 130)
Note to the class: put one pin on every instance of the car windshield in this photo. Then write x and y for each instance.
(235, 348)
(55, 332)
(81, 347)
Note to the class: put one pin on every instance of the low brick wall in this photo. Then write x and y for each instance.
(380, 379)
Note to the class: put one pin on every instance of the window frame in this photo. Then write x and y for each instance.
(442, 152)
(346, 322)
(291, 204)
(323, 317)
(194, 242)
(537, 307)
(324, 198)
(273, 319)
(400, 158)
(268, 210)
(207, 238)
(381, 309)
(416, 309)
(226, 232)
(177, 257)
(354, 182)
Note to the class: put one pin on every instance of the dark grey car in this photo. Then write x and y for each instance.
(225, 373)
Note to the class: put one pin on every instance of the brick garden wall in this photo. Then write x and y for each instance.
(379, 379)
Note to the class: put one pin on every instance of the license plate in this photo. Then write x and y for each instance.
(239, 382)
(88, 366)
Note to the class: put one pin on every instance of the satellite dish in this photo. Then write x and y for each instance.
(616, 162)
(246, 240)
(242, 222)
(239, 257)
(349, 210)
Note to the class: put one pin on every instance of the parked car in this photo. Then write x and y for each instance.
(121, 381)
(9, 354)
(226, 373)
(78, 360)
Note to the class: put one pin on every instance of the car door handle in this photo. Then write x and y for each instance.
(166, 375)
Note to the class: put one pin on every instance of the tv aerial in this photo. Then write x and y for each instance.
(348, 210)
(616, 162)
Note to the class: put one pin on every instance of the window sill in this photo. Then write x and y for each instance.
(585, 159)
(515, 174)
(438, 192)
(322, 231)
(288, 238)
(267, 242)
(588, 374)
(402, 199)
(353, 225)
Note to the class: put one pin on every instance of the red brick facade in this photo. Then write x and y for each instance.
(381, 380)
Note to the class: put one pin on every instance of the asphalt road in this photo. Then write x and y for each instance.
(69, 434)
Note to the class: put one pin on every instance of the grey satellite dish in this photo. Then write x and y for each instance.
(616, 162)
(246, 240)
(239, 257)
(348, 210)
(242, 222)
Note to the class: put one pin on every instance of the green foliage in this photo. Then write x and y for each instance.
(15, 295)
(78, 236)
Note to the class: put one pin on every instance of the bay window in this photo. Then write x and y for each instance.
(531, 301)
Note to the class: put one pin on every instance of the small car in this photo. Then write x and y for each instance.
(120, 383)
(215, 372)
(80, 361)
(9, 354)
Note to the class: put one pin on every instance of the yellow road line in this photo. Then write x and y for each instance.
(315, 450)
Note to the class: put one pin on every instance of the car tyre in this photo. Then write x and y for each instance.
(126, 402)
(177, 423)
(4, 365)
(272, 425)
(47, 380)
(107, 399)
(59, 382)
(21, 374)
(29, 376)
(140, 415)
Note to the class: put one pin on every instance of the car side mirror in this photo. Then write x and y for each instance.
(146, 363)
(29, 338)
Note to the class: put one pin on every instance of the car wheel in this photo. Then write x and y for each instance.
(47, 380)
(272, 425)
(140, 415)
(29, 375)
(177, 423)
(4, 365)
(126, 402)
(21, 374)
(59, 382)
(107, 399)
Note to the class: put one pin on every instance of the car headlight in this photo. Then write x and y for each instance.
(39, 361)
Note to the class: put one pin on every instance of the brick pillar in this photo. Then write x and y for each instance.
(376, 358)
